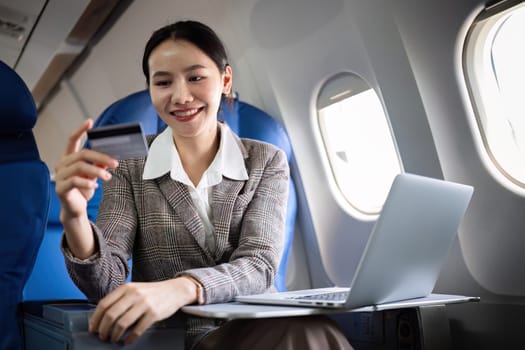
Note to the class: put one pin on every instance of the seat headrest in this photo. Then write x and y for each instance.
(256, 124)
(136, 107)
(17, 107)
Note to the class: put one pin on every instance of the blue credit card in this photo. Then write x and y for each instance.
(121, 141)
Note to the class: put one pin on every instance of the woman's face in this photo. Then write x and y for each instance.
(186, 88)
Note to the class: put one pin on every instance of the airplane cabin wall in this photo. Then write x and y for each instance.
(489, 239)
(487, 259)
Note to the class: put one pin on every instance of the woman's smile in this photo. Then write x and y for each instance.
(186, 115)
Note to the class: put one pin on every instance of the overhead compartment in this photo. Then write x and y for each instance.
(41, 39)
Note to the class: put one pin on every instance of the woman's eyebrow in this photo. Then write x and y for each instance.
(193, 67)
(185, 70)
(160, 74)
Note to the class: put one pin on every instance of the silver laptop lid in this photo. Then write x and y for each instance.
(410, 240)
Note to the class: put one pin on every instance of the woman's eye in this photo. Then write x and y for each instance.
(196, 78)
(162, 83)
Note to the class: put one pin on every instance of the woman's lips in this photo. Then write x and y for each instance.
(186, 115)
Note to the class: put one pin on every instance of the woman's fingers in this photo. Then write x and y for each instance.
(144, 322)
(83, 163)
(128, 324)
(96, 159)
(84, 169)
(80, 183)
(96, 321)
(127, 312)
(77, 172)
(118, 312)
(73, 143)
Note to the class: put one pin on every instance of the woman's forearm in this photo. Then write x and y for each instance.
(79, 236)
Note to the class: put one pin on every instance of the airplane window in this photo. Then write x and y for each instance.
(358, 142)
(495, 71)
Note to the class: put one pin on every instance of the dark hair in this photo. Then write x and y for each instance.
(194, 32)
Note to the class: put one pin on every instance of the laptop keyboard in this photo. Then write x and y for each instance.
(332, 296)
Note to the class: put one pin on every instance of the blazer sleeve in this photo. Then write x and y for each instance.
(253, 264)
(114, 236)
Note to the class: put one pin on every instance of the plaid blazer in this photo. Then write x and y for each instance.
(156, 223)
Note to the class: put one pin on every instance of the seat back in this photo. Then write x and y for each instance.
(253, 123)
(50, 262)
(136, 107)
(24, 203)
(244, 119)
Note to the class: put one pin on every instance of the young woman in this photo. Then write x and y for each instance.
(203, 214)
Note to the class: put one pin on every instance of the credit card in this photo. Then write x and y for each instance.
(121, 141)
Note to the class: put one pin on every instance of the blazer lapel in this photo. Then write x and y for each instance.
(223, 200)
(179, 198)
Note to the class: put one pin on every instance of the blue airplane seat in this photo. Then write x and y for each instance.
(244, 119)
(24, 203)
(136, 107)
(253, 123)
(50, 261)
(50, 279)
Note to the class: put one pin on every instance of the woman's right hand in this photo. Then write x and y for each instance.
(77, 172)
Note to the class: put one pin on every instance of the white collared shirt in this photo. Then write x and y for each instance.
(228, 162)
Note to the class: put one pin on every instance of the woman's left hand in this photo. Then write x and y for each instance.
(127, 312)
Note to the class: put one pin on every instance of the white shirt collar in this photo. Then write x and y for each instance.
(163, 158)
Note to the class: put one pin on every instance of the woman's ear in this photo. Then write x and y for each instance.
(227, 77)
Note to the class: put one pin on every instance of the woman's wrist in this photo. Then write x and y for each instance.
(195, 289)
(79, 237)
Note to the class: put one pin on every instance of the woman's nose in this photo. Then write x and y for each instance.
(181, 94)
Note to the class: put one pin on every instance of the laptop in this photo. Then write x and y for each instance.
(406, 249)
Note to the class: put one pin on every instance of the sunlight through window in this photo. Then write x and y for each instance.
(358, 142)
(495, 69)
